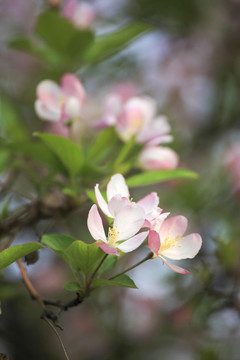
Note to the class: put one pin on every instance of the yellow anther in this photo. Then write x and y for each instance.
(169, 242)
(113, 236)
(131, 200)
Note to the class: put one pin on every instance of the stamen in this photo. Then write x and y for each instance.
(113, 235)
(169, 242)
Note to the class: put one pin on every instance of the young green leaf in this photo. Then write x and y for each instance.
(122, 280)
(10, 255)
(72, 286)
(67, 151)
(153, 177)
(108, 264)
(62, 36)
(58, 242)
(103, 140)
(83, 257)
(109, 44)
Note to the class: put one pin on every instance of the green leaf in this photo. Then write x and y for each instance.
(61, 35)
(108, 264)
(108, 45)
(83, 257)
(103, 140)
(58, 242)
(72, 286)
(40, 51)
(122, 280)
(153, 177)
(10, 255)
(10, 124)
(91, 195)
(4, 156)
(41, 153)
(67, 151)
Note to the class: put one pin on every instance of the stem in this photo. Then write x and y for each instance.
(96, 270)
(29, 285)
(58, 336)
(148, 257)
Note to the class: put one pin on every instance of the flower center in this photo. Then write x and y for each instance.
(113, 235)
(169, 242)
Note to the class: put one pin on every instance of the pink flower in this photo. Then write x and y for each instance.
(166, 240)
(123, 234)
(82, 14)
(118, 197)
(158, 157)
(60, 103)
(136, 117)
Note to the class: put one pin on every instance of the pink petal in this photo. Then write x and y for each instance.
(72, 108)
(72, 86)
(108, 249)
(101, 202)
(186, 248)
(155, 129)
(175, 268)
(95, 225)
(69, 8)
(156, 222)
(173, 227)
(117, 203)
(117, 186)
(129, 221)
(133, 243)
(158, 157)
(149, 202)
(154, 242)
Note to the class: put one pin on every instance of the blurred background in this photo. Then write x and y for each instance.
(189, 61)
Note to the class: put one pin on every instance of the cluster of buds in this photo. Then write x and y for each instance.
(135, 116)
(133, 222)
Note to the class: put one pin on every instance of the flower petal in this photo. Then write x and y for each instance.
(129, 221)
(101, 202)
(117, 185)
(133, 243)
(175, 268)
(185, 248)
(154, 242)
(173, 227)
(49, 92)
(72, 86)
(158, 157)
(149, 202)
(47, 112)
(107, 249)
(95, 225)
(117, 203)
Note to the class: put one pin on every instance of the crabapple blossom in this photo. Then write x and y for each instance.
(118, 197)
(158, 157)
(82, 14)
(136, 117)
(123, 235)
(60, 103)
(166, 240)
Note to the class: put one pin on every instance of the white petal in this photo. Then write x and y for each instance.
(149, 202)
(173, 227)
(49, 113)
(186, 248)
(101, 202)
(129, 221)
(133, 243)
(117, 203)
(117, 185)
(95, 225)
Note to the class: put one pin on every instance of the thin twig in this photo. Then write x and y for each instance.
(148, 257)
(29, 285)
(58, 336)
(97, 268)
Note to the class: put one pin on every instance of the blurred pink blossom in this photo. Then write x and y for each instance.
(82, 14)
(166, 240)
(158, 157)
(232, 162)
(58, 104)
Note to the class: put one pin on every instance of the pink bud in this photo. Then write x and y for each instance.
(82, 14)
(158, 157)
